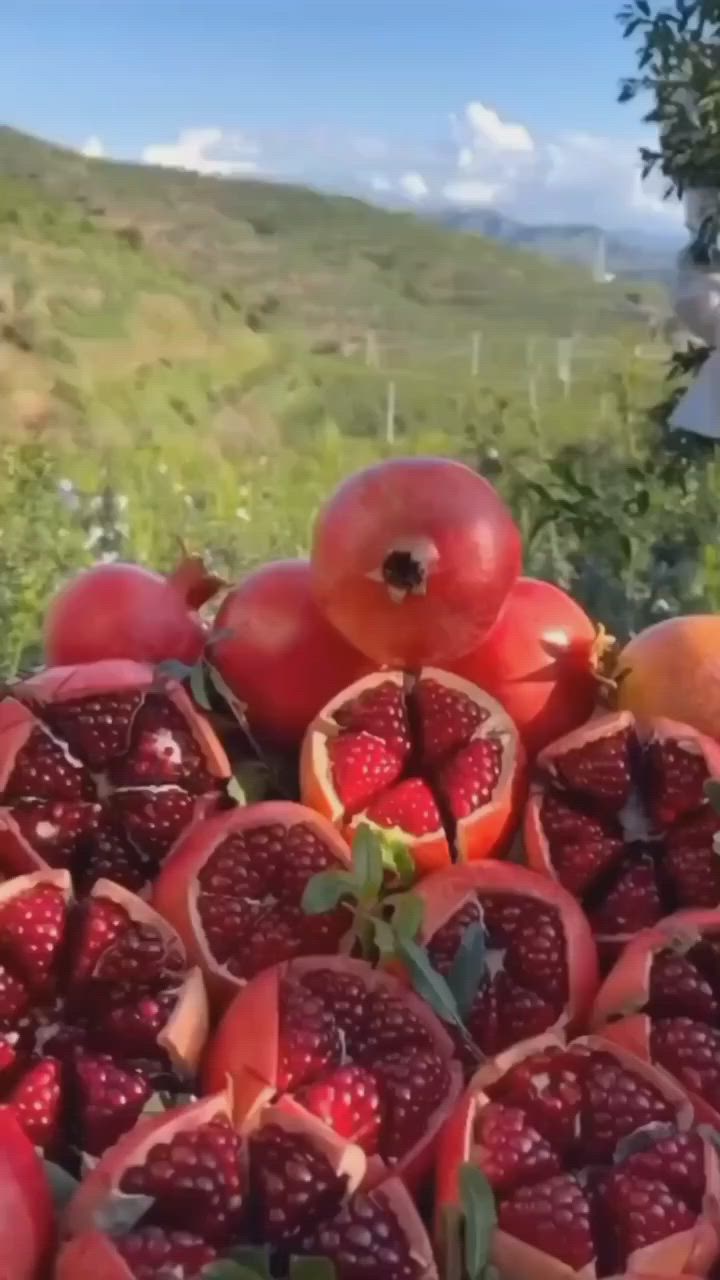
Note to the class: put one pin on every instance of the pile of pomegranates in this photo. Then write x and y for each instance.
(361, 922)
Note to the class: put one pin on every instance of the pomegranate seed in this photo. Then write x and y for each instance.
(582, 847)
(447, 719)
(643, 1211)
(32, 927)
(291, 1183)
(411, 1086)
(691, 1051)
(14, 998)
(348, 1100)
(409, 805)
(616, 1103)
(678, 989)
(362, 766)
(554, 1216)
(381, 712)
(676, 778)
(678, 1162)
(548, 1088)
(98, 728)
(468, 780)
(600, 770)
(365, 1239)
(44, 771)
(58, 830)
(99, 922)
(634, 901)
(345, 997)
(162, 751)
(154, 820)
(691, 860)
(390, 1027)
(110, 1098)
(37, 1099)
(152, 1253)
(309, 1038)
(511, 1151)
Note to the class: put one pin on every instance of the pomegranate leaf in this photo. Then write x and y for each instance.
(642, 1140)
(62, 1184)
(173, 669)
(385, 938)
(397, 859)
(427, 981)
(252, 782)
(408, 912)
(712, 793)
(480, 1214)
(226, 1269)
(121, 1213)
(255, 1261)
(368, 865)
(325, 890)
(312, 1269)
(468, 968)
(238, 708)
(198, 686)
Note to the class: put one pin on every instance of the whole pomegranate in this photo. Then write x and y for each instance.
(618, 816)
(540, 961)
(27, 1227)
(431, 757)
(278, 653)
(594, 1160)
(413, 558)
(662, 1001)
(671, 669)
(125, 611)
(98, 1011)
(101, 769)
(233, 887)
(540, 661)
(289, 1189)
(353, 1046)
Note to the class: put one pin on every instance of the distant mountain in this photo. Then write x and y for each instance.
(627, 254)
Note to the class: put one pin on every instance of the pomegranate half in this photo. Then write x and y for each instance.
(618, 816)
(413, 558)
(594, 1160)
(432, 758)
(290, 1187)
(662, 1000)
(98, 1011)
(541, 969)
(233, 886)
(351, 1045)
(101, 769)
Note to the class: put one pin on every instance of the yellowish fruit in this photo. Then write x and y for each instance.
(672, 669)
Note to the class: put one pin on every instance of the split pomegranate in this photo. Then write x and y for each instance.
(351, 1045)
(98, 1011)
(540, 961)
(101, 769)
(413, 558)
(126, 611)
(662, 1000)
(278, 653)
(291, 1186)
(233, 888)
(27, 1228)
(594, 1160)
(670, 669)
(618, 816)
(540, 661)
(431, 757)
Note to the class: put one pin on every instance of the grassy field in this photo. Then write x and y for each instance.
(203, 359)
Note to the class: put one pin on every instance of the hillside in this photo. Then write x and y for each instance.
(331, 267)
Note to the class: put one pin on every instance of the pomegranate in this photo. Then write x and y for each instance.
(278, 653)
(126, 611)
(233, 887)
(431, 757)
(618, 816)
(540, 661)
(594, 1160)
(101, 769)
(540, 961)
(98, 1011)
(27, 1228)
(412, 560)
(670, 669)
(662, 1000)
(290, 1187)
(351, 1045)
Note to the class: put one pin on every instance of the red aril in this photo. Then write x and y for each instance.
(98, 1011)
(126, 611)
(540, 661)
(27, 1227)
(298, 1028)
(595, 1162)
(412, 560)
(662, 1000)
(278, 653)
(290, 1187)
(233, 888)
(541, 970)
(618, 816)
(431, 757)
(101, 769)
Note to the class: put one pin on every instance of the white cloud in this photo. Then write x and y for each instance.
(208, 151)
(489, 130)
(472, 192)
(414, 186)
(93, 147)
(380, 182)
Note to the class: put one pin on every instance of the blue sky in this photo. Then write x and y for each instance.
(502, 102)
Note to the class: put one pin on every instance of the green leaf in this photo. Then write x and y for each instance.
(237, 707)
(198, 687)
(712, 793)
(119, 1214)
(312, 1269)
(428, 982)
(252, 782)
(397, 859)
(468, 968)
(256, 1261)
(385, 938)
(368, 867)
(226, 1269)
(62, 1184)
(325, 890)
(478, 1202)
(408, 913)
(172, 669)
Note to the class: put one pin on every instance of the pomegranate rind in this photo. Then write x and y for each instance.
(27, 1222)
(176, 889)
(484, 834)
(446, 892)
(245, 1050)
(670, 668)
(692, 1251)
(91, 1256)
(618, 1012)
